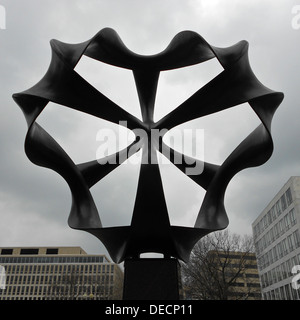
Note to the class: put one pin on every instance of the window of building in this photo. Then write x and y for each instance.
(269, 217)
(256, 231)
(278, 273)
(290, 243)
(278, 208)
(296, 238)
(292, 217)
(287, 292)
(275, 254)
(276, 231)
(265, 221)
(283, 202)
(282, 295)
(295, 260)
(281, 227)
(6, 251)
(288, 195)
(286, 221)
(286, 269)
(29, 251)
(273, 213)
(52, 251)
(284, 246)
(271, 235)
(294, 294)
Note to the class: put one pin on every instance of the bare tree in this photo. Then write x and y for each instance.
(74, 285)
(222, 266)
(65, 287)
(118, 285)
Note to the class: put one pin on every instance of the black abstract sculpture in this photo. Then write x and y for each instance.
(150, 229)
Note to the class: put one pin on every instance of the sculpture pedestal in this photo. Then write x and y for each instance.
(152, 279)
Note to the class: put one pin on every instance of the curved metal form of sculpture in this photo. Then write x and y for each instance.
(150, 229)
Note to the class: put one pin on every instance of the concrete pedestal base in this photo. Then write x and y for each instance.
(152, 279)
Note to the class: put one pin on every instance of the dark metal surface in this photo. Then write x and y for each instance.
(150, 229)
(152, 279)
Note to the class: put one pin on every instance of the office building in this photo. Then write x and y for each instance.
(222, 275)
(276, 233)
(64, 273)
(241, 272)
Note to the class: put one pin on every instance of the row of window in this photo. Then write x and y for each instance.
(237, 256)
(284, 247)
(46, 279)
(280, 272)
(276, 231)
(242, 275)
(276, 210)
(47, 268)
(240, 265)
(59, 259)
(8, 251)
(243, 284)
(286, 292)
(66, 291)
(82, 297)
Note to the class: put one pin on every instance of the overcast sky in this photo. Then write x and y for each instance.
(35, 202)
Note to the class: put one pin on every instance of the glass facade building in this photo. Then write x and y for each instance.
(276, 233)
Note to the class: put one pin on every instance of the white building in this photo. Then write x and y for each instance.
(60, 273)
(276, 233)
